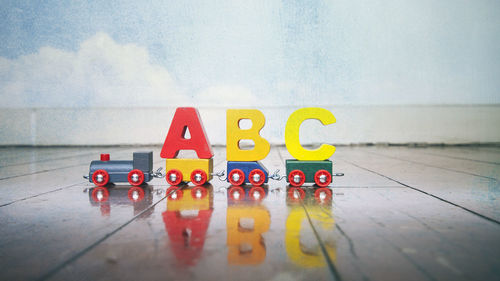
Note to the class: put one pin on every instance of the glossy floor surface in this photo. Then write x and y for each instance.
(398, 214)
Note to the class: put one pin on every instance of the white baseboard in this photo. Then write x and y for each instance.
(355, 124)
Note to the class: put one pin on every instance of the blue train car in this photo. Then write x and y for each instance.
(241, 172)
(137, 171)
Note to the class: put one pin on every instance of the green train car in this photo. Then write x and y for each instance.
(300, 172)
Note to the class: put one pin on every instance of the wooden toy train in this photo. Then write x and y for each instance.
(137, 171)
(243, 166)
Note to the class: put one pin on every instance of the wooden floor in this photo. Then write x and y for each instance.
(398, 214)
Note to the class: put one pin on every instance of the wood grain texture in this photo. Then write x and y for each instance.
(398, 213)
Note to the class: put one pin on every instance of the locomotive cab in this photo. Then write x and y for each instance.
(136, 171)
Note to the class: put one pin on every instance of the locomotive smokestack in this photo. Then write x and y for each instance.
(105, 157)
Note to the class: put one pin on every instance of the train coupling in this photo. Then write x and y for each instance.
(276, 176)
(220, 175)
(158, 173)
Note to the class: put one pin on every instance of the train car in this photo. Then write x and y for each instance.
(197, 171)
(252, 172)
(137, 171)
(301, 172)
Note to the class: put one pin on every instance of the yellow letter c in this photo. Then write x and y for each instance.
(292, 141)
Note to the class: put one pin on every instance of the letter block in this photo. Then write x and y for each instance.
(186, 118)
(292, 141)
(234, 134)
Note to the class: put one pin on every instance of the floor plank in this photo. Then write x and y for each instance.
(473, 154)
(479, 169)
(33, 157)
(476, 194)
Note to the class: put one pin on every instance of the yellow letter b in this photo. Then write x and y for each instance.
(235, 134)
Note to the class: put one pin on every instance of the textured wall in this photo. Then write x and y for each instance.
(355, 124)
(93, 55)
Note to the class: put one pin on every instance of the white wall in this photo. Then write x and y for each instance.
(355, 124)
(391, 71)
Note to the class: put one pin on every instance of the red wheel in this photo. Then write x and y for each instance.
(256, 177)
(296, 178)
(174, 177)
(236, 193)
(236, 177)
(322, 178)
(198, 192)
(174, 193)
(296, 194)
(199, 177)
(100, 194)
(257, 193)
(100, 177)
(135, 194)
(323, 195)
(136, 177)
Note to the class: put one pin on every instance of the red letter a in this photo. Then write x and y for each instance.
(186, 118)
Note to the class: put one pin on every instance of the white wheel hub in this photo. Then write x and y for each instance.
(322, 178)
(197, 177)
(100, 178)
(135, 177)
(173, 177)
(236, 177)
(296, 178)
(256, 177)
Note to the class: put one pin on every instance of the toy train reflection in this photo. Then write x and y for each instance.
(140, 198)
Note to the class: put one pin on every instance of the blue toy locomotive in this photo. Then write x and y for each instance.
(137, 171)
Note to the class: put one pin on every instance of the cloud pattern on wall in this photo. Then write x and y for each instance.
(289, 53)
(101, 73)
